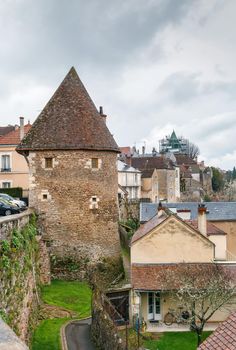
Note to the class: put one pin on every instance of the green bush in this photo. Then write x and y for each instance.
(15, 192)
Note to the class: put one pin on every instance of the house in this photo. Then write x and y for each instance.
(167, 176)
(129, 178)
(224, 337)
(221, 214)
(14, 168)
(150, 185)
(73, 186)
(163, 242)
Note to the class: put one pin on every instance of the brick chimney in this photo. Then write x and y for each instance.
(202, 221)
(22, 131)
(104, 116)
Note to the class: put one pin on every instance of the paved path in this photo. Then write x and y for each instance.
(78, 335)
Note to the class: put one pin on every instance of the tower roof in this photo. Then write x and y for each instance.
(69, 121)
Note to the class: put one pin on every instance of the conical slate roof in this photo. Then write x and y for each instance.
(69, 121)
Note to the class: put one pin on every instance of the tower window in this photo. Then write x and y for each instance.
(48, 163)
(94, 162)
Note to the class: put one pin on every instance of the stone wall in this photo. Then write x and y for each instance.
(104, 332)
(18, 272)
(64, 195)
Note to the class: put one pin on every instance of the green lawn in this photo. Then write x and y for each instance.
(175, 341)
(47, 334)
(74, 296)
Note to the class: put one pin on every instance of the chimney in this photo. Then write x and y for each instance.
(104, 116)
(202, 221)
(160, 209)
(22, 131)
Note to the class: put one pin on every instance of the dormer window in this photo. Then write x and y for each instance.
(94, 163)
(48, 163)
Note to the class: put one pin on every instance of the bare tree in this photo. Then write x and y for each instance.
(201, 289)
(194, 151)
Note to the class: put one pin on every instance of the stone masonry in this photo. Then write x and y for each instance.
(73, 175)
(63, 195)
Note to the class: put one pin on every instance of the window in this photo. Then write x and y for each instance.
(45, 196)
(48, 163)
(6, 162)
(94, 163)
(6, 184)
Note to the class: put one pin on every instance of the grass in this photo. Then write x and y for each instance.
(47, 334)
(73, 296)
(175, 341)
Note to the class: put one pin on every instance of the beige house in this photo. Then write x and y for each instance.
(166, 175)
(167, 240)
(150, 186)
(14, 168)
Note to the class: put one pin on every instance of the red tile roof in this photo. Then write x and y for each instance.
(224, 337)
(126, 151)
(13, 137)
(69, 121)
(151, 276)
(211, 228)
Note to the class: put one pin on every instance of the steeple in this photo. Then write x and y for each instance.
(69, 120)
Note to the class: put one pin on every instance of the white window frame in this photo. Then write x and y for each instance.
(2, 181)
(10, 156)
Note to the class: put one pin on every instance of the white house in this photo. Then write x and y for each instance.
(129, 178)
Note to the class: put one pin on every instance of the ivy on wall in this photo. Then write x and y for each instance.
(18, 254)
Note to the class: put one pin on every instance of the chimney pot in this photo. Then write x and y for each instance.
(202, 221)
(104, 117)
(22, 131)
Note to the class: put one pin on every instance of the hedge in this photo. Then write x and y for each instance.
(15, 192)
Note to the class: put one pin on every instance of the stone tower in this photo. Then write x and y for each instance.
(73, 174)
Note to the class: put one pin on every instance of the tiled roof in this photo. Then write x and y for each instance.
(13, 137)
(6, 129)
(126, 150)
(148, 226)
(70, 120)
(211, 228)
(184, 159)
(153, 162)
(216, 211)
(224, 337)
(148, 276)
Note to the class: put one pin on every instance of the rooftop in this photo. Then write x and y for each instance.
(216, 211)
(13, 137)
(69, 121)
(224, 337)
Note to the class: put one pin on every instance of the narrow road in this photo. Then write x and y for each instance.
(78, 335)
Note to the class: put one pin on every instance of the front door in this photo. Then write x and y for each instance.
(154, 306)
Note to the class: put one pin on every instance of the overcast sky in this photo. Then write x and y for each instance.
(155, 66)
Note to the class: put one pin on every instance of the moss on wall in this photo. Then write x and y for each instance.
(18, 277)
